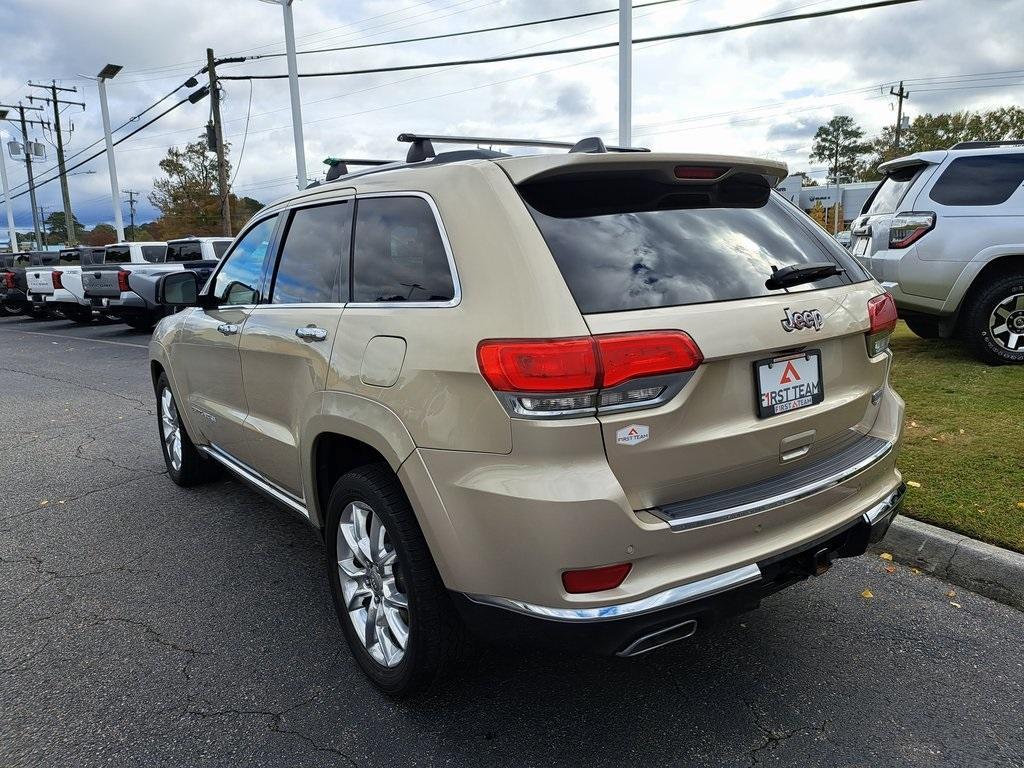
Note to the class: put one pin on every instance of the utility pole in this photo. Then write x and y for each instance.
(42, 218)
(131, 209)
(56, 102)
(625, 72)
(28, 161)
(218, 134)
(11, 232)
(900, 96)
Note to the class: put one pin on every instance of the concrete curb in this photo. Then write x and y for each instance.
(990, 571)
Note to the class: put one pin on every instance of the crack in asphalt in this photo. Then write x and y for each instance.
(80, 385)
(25, 513)
(774, 738)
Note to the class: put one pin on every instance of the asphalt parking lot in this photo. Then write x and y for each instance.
(144, 624)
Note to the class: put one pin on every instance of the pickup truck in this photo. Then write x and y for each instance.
(39, 284)
(60, 286)
(103, 283)
(13, 300)
(129, 290)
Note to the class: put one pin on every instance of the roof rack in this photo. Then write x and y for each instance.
(339, 165)
(423, 148)
(987, 144)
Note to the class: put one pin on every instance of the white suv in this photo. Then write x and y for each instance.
(944, 234)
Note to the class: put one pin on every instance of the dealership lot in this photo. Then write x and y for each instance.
(145, 624)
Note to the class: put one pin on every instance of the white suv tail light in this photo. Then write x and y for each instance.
(907, 228)
(538, 378)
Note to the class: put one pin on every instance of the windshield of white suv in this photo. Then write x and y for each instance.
(632, 243)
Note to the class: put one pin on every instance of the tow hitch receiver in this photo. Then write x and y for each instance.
(823, 561)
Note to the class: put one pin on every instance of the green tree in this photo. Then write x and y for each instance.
(56, 227)
(840, 145)
(805, 180)
(187, 194)
(101, 234)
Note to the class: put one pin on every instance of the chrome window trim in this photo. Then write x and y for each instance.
(685, 593)
(778, 500)
(456, 283)
(254, 478)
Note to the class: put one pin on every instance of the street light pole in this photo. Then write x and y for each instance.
(625, 72)
(293, 88)
(7, 193)
(105, 74)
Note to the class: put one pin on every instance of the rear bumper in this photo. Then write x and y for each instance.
(638, 626)
(128, 304)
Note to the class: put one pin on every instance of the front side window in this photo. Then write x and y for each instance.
(238, 282)
(399, 255)
(313, 267)
(981, 180)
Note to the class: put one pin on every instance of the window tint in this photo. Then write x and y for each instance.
(239, 280)
(668, 245)
(220, 247)
(92, 256)
(117, 255)
(69, 258)
(890, 192)
(399, 254)
(192, 251)
(314, 259)
(982, 180)
(154, 253)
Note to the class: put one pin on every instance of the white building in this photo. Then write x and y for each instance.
(850, 196)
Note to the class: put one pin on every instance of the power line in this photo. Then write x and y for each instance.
(241, 152)
(593, 47)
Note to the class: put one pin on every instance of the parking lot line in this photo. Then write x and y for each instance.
(80, 338)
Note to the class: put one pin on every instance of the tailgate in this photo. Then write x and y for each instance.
(101, 282)
(39, 280)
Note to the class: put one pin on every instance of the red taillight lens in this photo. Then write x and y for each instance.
(595, 579)
(906, 229)
(626, 356)
(540, 365)
(55, 278)
(882, 312)
(699, 172)
(122, 280)
(8, 279)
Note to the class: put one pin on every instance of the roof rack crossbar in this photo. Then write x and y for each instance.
(425, 141)
(987, 144)
(339, 165)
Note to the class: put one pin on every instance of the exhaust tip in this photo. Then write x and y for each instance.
(660, 638)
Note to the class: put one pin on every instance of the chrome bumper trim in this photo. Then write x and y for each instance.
(779, 499)
(686, 593)
(886, 505)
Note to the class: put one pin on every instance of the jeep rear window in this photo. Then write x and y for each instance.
(628, 242)
(117, 256)
(981, 180)
(890, 192)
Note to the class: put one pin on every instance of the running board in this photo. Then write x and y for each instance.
(255, 480)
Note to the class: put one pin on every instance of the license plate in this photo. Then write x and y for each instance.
(788, 383)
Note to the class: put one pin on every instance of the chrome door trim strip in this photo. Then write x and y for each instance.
(685, 593)
(254, 478)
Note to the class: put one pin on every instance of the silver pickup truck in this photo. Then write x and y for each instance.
(126, 285)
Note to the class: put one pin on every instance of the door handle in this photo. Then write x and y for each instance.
(228, 329)
(311, 333)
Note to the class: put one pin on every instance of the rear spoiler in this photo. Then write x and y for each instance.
(921, 158)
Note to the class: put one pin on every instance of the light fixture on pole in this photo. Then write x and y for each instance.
(293, 87)
(7, 194)
(107, 73)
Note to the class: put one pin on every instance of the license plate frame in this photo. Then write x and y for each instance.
(802, 363)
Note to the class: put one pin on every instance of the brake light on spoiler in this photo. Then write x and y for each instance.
(549, 378)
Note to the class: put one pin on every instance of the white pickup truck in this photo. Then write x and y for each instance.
(59, 286)
(127, 288)
(39, 281)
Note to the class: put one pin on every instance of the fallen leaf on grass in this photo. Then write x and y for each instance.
(886, 556)
(913, 484)
(913, 423)
(867, 593)
(1020, 505)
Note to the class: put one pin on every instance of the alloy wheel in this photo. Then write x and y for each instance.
(1006, 323)
(171, 428)
(372, 584)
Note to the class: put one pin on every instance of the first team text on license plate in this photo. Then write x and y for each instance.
(789, 382)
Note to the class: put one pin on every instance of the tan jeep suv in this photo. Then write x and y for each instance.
(596, 398)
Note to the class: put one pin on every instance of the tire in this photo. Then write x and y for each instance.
(144, 323)
(993, 322)
(9, 310)
(185, 465)
(399, 571)
(924, 327)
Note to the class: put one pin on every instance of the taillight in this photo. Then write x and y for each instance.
(907, 228)
(580, 375)
(55, 278)
(595, 579)
(699, 172)
(122, 280)
(9, 280)
(882, 312)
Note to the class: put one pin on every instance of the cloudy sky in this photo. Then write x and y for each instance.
(759, 92)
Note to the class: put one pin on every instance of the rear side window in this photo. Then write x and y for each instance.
(313, 267)
(184, 252)
(117, 256)
(887, 195)
(220, 247)
(238, 281)
(982, 180)
(399, 254)
(154, 253)
(69, 258)
(632, 243)
(92, 256)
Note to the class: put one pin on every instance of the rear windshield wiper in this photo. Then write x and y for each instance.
(797, 274)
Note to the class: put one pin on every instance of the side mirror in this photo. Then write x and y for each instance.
(178, 289)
